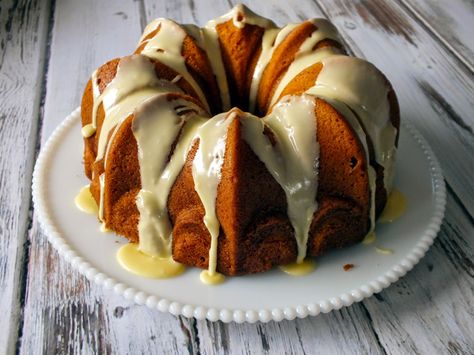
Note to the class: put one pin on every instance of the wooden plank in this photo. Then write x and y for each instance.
(451, 22)
(346, 331)
(430, 311)
(63, 311)
(22, 49)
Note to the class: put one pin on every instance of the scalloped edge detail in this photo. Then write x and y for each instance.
(228, 315)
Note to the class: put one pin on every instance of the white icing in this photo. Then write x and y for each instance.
(213, 49)
(88, 130)
(166, 46)
(307, 55)
(156, 126)
(360, 86)
(293, 160)
(206, 170)
(134, 83)
(271, 39)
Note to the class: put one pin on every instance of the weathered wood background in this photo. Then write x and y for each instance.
(47, 51)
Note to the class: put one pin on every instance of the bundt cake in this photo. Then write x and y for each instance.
(240, 145)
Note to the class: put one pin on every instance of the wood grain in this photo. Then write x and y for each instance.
(429, 311)
(22, 51)
(450, 22)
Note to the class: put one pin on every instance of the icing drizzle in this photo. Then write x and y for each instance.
(207, 166)
(156, 126)
(293, 160)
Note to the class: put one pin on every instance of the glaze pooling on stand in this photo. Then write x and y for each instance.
(305, 267)
(211, 279)
(395, 207)
(133, 260)
(85, 202)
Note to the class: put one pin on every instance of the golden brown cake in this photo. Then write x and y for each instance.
(239, 146)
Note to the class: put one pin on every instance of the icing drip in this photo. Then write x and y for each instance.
(206, 170)
(360, 86)
(369, 238)
(88, 130)
(307, 56)
(213, 49)
(373, 189)
(166, 46)
(104, 229)
(271, 39)
(156, 126)
(134, 83)
(101, 199)
(293, 160)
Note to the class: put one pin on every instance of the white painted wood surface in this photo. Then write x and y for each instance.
(47, 307)
(451, 22)
(22, 50)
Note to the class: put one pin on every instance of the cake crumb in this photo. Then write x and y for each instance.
(347, 267)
